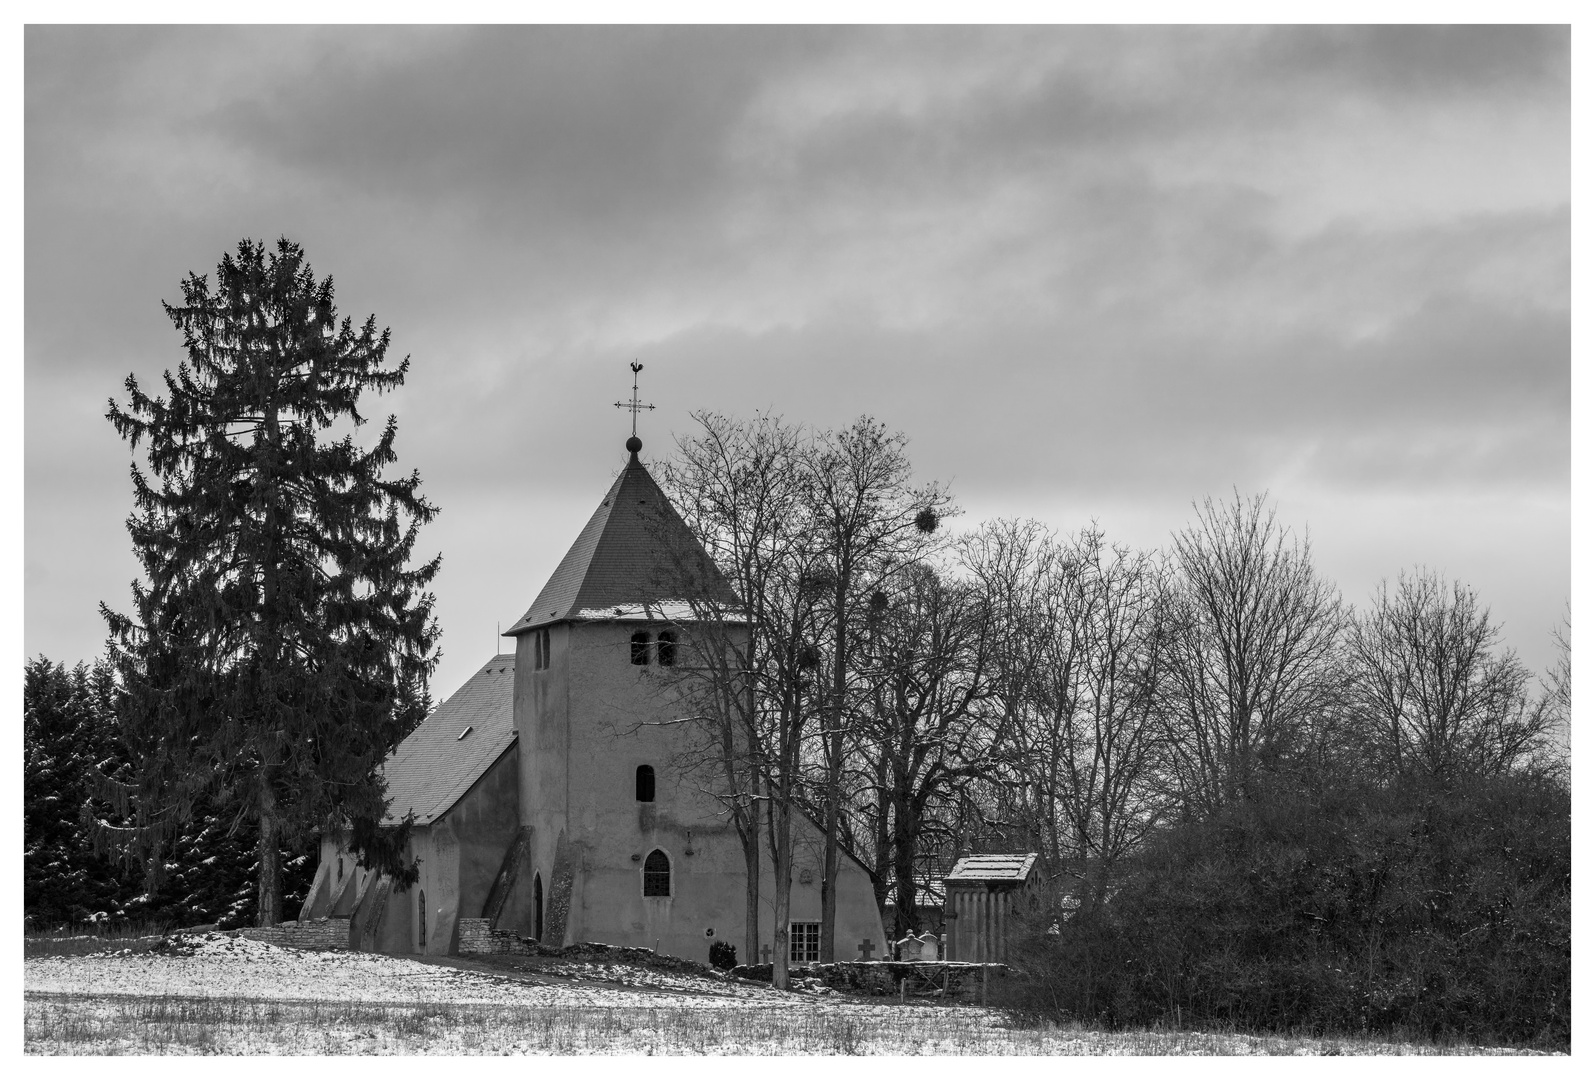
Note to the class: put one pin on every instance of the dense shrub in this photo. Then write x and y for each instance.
(1413, 909)
(723, 955)
(69, 730)
(65, 733)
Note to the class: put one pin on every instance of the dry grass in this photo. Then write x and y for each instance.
(212, 994)
(76, 1024)
(88, 940)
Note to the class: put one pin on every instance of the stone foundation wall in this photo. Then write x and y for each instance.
(478, 936)
(323, 933)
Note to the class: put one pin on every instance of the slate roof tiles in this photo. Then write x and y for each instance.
(634, 559)
(433, 767)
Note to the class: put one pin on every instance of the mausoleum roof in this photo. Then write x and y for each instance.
(635, 560)
(974, 869)
(459, 740)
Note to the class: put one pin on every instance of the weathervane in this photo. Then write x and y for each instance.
(635, 407)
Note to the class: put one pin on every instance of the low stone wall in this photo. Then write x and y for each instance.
(858, 976)
(634, 954)
(323, 933)
(863, 978)
(478, 936)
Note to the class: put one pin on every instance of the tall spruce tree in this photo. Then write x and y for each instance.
(282, 642)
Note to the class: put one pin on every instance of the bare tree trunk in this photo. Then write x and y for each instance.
(833, 825)
(904, 838)
(782, 857)
(834, 744)
(750, 857)
(883, 837)
(270, 880)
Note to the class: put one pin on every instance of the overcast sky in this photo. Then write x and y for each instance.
(1091, 273)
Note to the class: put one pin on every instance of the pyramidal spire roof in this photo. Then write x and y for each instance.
(635, 559)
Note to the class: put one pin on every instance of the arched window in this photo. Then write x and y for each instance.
(639, 647)
(537, 907)
(667, 649)
(421, 907)
(656, 874)
(645, 783)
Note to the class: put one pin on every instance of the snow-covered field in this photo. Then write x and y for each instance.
(223, 995)
(222, 966)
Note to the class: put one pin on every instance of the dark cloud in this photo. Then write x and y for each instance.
(546, 125)
(1423, 60)
(1083, 268)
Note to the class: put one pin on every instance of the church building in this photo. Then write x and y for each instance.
(551, 796)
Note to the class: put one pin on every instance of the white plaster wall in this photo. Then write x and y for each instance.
(541, 723)
(596, 717)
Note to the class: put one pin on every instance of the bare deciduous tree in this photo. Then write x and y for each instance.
(1253, 657)
(929, 672)
(1088, 745)
(1433, 695)
(1120, 610)
(741, 488)
(868, 519)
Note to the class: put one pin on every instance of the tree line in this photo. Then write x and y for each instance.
(921, 693)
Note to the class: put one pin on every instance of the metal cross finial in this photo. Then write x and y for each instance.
(633, 404)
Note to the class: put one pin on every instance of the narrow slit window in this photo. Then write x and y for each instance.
(656, 874)
(537, 907)
(645, 783)
(639, 647)
(667, 649)
(421, 910)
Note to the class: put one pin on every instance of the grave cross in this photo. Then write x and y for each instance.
(866, 948)
(765, 952)
(633, 404)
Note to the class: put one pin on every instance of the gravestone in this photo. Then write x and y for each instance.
(908, 947)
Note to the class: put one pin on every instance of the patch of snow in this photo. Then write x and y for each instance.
(220, 965)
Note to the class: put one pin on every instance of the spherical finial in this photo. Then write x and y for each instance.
(634, 444)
